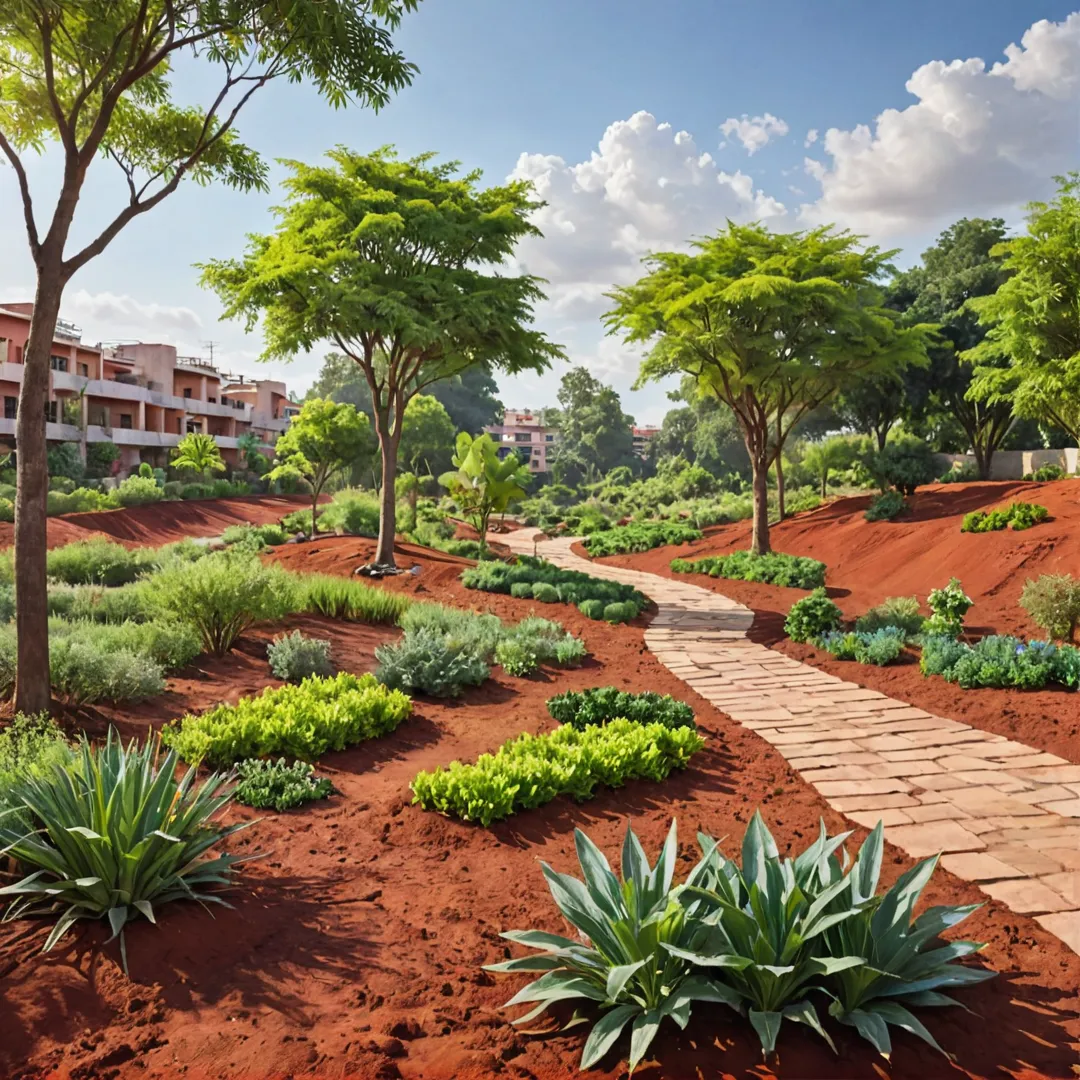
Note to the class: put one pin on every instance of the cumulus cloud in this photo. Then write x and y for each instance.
(754, 132)
(811, 137)
(121, 315)
(978, 140)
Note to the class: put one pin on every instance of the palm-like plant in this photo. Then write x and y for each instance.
(199, 453)
(116, 836)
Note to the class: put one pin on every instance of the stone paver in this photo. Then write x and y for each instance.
(1008, 815)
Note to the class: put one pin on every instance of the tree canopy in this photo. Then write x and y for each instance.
(771, 324)
(1030, 355)
(399, 264)
(199, 453)
(427, 436)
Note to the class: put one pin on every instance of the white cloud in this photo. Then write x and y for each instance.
(811, 137)
(977, 141)
(754, 132)
(116, 316)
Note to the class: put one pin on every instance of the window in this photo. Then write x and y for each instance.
(519, 437)
(534, 463)
(549, 438)
(125, 420)
(11, 406)
(51, 411)
(536, 451)
(18, 354)
(179, 425)
(84, 369)
(187, 391)
(212, 400)
(58, 363)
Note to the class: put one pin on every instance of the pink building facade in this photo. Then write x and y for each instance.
(525, 433)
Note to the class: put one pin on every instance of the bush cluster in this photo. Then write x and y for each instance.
(302, 721)
(425, 661)
(256, 537)
(906, 463)
(1052, 602)
(601, 704)
(886, 506)
(346, 598)
(899, 612)
(812, 616)
(294, 657)
(30, 747)
(534, 769)
(351, 511)
(1017, 516)
(639, 536)
(536, 579)
(1045, 473)
(97, 603)
(880, 647)
(960, 473)
(948, 607)
(280, 785)
(1002, 661)
(773, 568)
(99, 562)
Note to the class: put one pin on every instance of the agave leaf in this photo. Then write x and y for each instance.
(866, 869)
(870, 1026)
(726, 960)
(758, 848)
(606, 1033)
(146, 908)
(577, 905)
(700, 988)
(830, 965)
(954, 975)
(618, 978)
(117, 918)
(893, 1013)
(602, 884)
(635, 866)
(804, 1013)
(767, 1026)
(930, 998)
(539, 939)
(556, 986)
(543, 962)
(641, 1036)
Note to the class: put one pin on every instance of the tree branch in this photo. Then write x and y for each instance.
(24, 192)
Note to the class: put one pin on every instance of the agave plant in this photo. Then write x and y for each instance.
(630, 958)
(899, 969)
(116, 836)
(768, 919)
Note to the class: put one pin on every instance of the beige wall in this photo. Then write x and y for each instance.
(1015, 464)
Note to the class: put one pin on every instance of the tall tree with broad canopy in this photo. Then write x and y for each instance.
(397, 263)
(324, 438)
(427, 436)
(962, 266)
(771, 324)
(1030, 355)
(93, 77)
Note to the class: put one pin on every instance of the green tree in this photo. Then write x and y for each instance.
(484, 484)
(198, 453)
(1030, 356)
(254, 459)
(963, 265)
(771, 324)
(703, 431)
(595, 434)
(822, 458)
(401, 265)
(427, 436)
(93, 76)
(324, 438)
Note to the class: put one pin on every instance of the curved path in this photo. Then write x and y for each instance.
(1006, 815)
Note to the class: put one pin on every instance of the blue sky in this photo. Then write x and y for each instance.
(642, 125)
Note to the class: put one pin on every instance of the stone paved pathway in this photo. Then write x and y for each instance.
(1006, 816)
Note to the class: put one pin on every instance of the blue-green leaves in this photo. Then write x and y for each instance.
(764, 938)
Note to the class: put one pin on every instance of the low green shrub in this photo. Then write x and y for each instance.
(1052, 602)
(906, 463)
(1001, 661)
(351, 511)
(303, 721)
(1016, 516)
(592, 609)
(97, 603)
(1045, 473)
(98, 562)
(522, 590)
(879, 647)
(425, 661)
(121, 835)
(256, 537)
(346, 598)
(639, 536)
(278, 785)
(534, 769)
(570, 652)
(546, 594)
(580, 708)
(620, 612)
(948, 607)
(901, 612)
(812, 616)
(960, 473)
(544, 637)
(886, 506)
(30, 747)
(774, 568)
(80, 501)
(294, 657)
(138, 491)
(516, 657)
(467, 630)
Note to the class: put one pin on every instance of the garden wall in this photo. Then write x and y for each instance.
(1015, 464)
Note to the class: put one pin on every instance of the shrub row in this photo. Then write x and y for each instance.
(534, 769)
(639, 536)
(601, 704)
(879, 647)
(1002, 661)
(774, 568)
(105, 562)
(256, 537)
(303, 721)
(1017, 516)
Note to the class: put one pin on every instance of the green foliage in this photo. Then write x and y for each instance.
(223, 594)
(639, 536)
(569, 652)
(598, 705)
(812, 616)
(886, 506)
(906, 463)
(120, 835)
(303, 721)
(960, 473)
(427, 435)
(1052, 602)
(64, 460)
(30, 747)
(278, 784)
(294, 657)
(197, 452)
(98, 562)
(477, 633)
(1017, 516)
(79, 501)
(138, 491)
(774, 568)
(901, 612)
(534, 769)
(948, 607)
(425, 661)
(100, 457)
(1046, 473)
(516, 657)
(620, 612)
(256, 537)
(592, 609)
(880, 647)
(545, 638)
(826, 457)
(1000, 660)
(545, 593)
(346, 598)
(351, 511)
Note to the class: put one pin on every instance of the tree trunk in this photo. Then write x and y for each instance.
(315, 493)
(384, 552)
(982, 459)
(780, 487)
(32, 691)
(759, 543)
(824, 484)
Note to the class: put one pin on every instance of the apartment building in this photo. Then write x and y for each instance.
(524, 432)
(142, 397)
(642, 437)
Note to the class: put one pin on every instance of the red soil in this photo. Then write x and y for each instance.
(164, 522)
(356, 942)
(869, 561)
